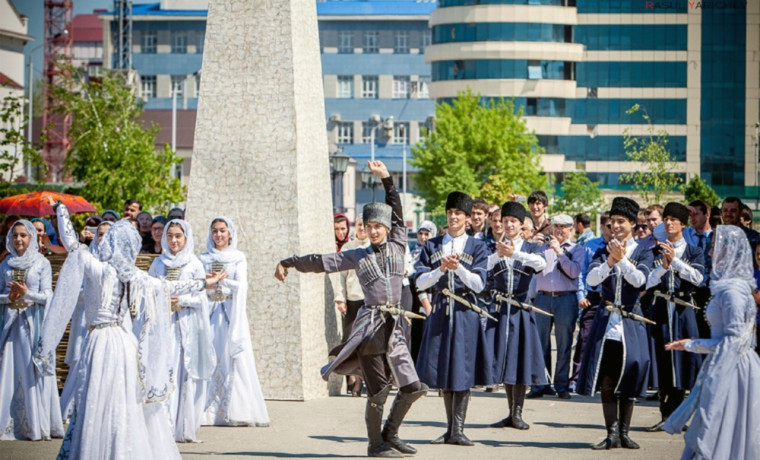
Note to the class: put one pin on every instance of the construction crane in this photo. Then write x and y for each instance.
(58, 50)
(123, 34)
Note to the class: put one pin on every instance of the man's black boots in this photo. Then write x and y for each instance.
(459, 405)
(400, 407)
(448, 397)
(611, 422)
(373, 416)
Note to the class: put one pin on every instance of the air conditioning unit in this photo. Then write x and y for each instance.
(335, 118)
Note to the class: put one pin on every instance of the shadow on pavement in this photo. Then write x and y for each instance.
(274, 454)
(542, 445)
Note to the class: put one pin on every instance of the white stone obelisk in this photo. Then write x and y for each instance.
(261, 159)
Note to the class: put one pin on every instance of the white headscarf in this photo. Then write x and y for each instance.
(230, 254)
(95, 244)
(186, 254)
(731, 259)
(120, 246)
(32, 253)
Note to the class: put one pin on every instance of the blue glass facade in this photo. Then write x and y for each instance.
(631, 74)
(501, 68)
(502, 31)
(620, 37)
(722, 116)
(601, 148)
(633, 6)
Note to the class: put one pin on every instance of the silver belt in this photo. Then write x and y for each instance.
(92, 327)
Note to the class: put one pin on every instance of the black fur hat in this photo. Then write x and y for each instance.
(676, 210)
(513, 209)
(626, 207)
(459, 200)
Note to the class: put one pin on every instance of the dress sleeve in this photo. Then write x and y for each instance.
(45, 285)
(731, 310)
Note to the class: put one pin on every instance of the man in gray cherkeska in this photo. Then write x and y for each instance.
(376, 347)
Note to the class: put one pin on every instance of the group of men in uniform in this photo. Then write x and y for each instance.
(492, 299)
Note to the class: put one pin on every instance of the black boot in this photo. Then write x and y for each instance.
(625, 413)
(373, 416)
(459, 408)
(612, 440)
(518, 398)
(400, 407)
(448, 396)
(506, 422)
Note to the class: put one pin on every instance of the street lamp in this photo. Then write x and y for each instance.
(339, 165)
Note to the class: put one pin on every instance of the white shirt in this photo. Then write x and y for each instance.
(452, 245)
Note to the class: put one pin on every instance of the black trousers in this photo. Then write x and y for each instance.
(610, 369)
(377, 374)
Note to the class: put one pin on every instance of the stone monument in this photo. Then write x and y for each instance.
(261, 159)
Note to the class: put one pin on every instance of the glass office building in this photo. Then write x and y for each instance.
(577, 66)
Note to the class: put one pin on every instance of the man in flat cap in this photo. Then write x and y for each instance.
(376, 348)
(557, 293)
(679, 270)
(453, 346)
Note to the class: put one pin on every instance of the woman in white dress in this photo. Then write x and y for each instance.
(234, 395)
(120, 376)
(29, 405)
(725, 400)
(78, 332)
(193, 354)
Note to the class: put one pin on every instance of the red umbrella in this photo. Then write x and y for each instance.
(35, 204)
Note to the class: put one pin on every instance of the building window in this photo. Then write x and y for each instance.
(401, 43)
(423, 88)
(367, 132)
(401, 133)
(178, 85)
(534, 70)
(149, 43)
(345, 42)
(426, 41)
(369, 87)
(201, 39)
(179, 43)
(345, 86)
(371, 40)
(400, 87)
(147, 87)
(345, 132)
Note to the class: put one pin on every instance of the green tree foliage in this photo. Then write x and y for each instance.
(658, 176)
(113, 153)
(484, 150)
(14, 148)
(697, 189)
(579, 195)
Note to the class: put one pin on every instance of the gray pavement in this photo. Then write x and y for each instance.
(334, 428)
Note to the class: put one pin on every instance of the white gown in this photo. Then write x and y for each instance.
(193, 355)
(120, 377)
(29, 405)
(234, 392)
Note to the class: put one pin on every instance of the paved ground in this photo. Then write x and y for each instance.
(334, 428)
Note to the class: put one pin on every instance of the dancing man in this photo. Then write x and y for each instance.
(376, 347)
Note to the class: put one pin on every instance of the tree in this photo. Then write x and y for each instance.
(657, 177)
(481, 149)
(112, 152)
(697, 189)
(14, 146)
(579, 195)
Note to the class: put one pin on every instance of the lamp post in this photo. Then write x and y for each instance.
(339, 165)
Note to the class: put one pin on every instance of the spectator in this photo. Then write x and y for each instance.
(641, 230)
(131, 209)
(731, 213)
(537, 204)
(156, 231)
(582, 225)
(341, 227)
(746, 216)
(110, 215)
(478, 219)
(175, 213)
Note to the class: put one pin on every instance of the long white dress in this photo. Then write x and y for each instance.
(725, 401)
(29, 405)
(234, 392)
(120, 377)
(192, 352)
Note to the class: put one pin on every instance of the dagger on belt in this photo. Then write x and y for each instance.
(408, 315)
(525, 306)
(467, 304)
(626, 314)
(675, 300)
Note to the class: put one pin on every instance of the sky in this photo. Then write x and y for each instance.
(34, 9)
